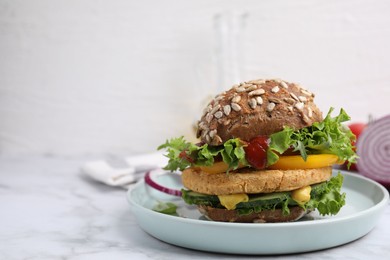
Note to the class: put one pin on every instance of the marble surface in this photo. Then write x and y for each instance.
(49, 210)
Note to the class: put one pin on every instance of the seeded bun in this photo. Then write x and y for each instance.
(251, 181)
(274, 215)
(257, 107)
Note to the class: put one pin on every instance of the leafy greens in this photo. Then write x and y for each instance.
(183, 154)
(168, 208)
(326, 137)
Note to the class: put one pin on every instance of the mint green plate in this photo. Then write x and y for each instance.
(366, 200)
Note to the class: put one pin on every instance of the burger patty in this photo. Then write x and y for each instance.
(251, 181)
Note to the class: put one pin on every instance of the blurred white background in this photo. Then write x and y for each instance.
(120, 77)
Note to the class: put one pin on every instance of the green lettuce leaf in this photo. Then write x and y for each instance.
(330, 201)
(233, 153)
(175, 147)
(183, 154)
(168, 208)
(326, 137)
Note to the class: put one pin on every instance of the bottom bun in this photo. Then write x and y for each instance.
(276, 215)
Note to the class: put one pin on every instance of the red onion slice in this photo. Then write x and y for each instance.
(373, 149)
(155, 185)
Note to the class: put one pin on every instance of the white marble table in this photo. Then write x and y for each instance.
(49, 210)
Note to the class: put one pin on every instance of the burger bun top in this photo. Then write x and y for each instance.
(257, 107)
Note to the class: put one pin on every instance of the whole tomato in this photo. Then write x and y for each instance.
(356, 128)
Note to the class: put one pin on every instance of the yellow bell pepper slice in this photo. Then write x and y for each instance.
(290, 162)
(312, 161)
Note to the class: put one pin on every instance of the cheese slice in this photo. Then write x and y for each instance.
(301, 195)
(231, 201)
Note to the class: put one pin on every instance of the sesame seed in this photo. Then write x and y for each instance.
(252, 103)
(236, 99)
(219, 97)
(275, 89)
(217, 138)
(309, 112)
(240, 89)
(227, 109)
(256, 92)
(218, 114)
(305, 92)
(202, 125)
(259, 100)
(236, 107)
(251, 87)
(205, 111)
(302, 98)
(209, 117)
(215, 109)
(204, 133)
(284, 84)
(257, 81)
(289, 101)
(212, 133)
(290, 108)
(208, 139)
(294, 96)
(270, 107)
(227, 122)
(299, 105)
(306, 119)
